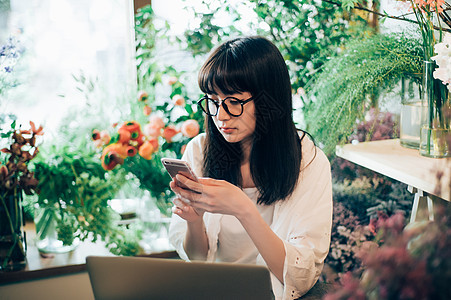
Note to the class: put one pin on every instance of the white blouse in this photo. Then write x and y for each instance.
(234, 244)
(303, 221)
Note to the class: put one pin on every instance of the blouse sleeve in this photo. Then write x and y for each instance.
(307, 222)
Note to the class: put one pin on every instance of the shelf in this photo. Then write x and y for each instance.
(389, 158)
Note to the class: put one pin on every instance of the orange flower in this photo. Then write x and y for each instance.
(147, 110)
(143, 96)
(182, 150)
(169, 132)
(119, 149)
(146, 150)
(131, 126)
(190, 128)
(178, 100)
(134, 129)
(113, 155)
(111, 160)
(124, 136)
(154, 142)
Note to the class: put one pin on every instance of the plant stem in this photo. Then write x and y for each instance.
(7, 212)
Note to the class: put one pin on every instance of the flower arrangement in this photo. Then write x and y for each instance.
(164, 131)
(425, 11)
(14, 172)
(405, 262)
(131, 139)
(15, 177)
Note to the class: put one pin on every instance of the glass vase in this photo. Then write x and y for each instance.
(412, 110)
(47, 240)
(435, 139)
(12, 236)
(155, 227)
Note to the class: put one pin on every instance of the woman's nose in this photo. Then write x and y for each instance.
(222, 114)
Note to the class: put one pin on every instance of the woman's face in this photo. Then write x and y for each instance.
(235, 129)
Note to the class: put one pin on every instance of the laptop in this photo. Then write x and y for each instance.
(119, 277)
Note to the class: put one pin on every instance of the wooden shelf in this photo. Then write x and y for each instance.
(389, 158)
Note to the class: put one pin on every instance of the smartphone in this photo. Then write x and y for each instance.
(177, 166)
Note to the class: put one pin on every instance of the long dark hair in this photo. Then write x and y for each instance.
(254, 65)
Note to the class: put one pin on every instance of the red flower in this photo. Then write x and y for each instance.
(169, 132)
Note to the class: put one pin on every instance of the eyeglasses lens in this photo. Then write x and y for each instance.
(234, 107)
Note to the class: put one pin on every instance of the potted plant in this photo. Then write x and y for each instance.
(72, 204)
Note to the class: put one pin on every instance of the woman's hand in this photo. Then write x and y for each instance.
(186, 211)
(215, 196)
(219, 196)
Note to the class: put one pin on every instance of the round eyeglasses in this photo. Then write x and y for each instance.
(231, 105)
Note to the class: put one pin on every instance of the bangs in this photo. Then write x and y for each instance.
(223, 73)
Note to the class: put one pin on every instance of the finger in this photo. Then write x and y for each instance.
(191, 184)
(200, 206)
(181, 203)
(177, 210)
(173, 185)
(177, 202)
(178, 197)
(208, 181)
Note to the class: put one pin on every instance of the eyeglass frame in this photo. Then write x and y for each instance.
(221, 103)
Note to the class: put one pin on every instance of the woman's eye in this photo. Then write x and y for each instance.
(234, 102)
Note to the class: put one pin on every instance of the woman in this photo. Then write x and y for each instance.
(265, 195)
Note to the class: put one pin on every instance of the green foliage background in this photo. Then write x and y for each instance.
(339, 94)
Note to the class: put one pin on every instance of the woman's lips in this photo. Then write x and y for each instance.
(227, 130)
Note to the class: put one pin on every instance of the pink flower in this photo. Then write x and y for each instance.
(178, 100)
(156, 121)
(172, 80)
(152, 130)
(190, 128)
(105, 137)
(429, 5)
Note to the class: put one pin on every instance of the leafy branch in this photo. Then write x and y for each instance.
(354, 4)
(338, 94)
